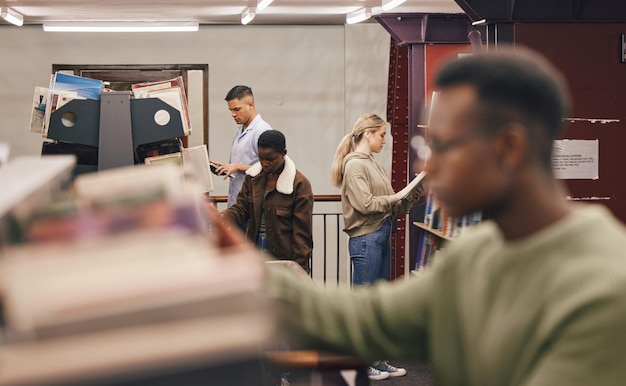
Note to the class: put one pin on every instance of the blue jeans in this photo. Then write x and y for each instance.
(371, 255)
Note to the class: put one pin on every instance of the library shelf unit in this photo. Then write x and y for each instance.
(432, 231)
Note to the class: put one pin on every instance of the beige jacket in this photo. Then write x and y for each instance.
(367, 196)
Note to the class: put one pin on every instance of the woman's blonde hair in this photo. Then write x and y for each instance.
(367, 122)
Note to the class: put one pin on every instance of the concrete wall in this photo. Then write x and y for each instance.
(311, 82)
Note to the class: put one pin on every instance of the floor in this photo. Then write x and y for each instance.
(417, 374)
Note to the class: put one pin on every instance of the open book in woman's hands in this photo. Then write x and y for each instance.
(415, 182)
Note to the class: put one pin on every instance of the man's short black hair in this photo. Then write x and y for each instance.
(514, 85)
(272, 139)
(238, 92)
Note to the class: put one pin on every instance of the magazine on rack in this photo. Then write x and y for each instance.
(170, 91)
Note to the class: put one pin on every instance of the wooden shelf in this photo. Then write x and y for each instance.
(431, 230)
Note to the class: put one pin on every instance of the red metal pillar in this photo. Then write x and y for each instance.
(398, 117)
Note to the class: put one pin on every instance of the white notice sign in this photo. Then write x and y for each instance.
(575, 159)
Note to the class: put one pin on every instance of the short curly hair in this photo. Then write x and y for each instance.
(514, 84)
(272, 139)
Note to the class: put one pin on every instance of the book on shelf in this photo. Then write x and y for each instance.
(174, 158)
(428, 246)
(63, 88)
(83, 87)
(194, 161)
(433, 99)
(38, 113)
(438, 227)
(431, 206)
(56, 100)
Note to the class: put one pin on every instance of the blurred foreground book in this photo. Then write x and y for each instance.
(120, 279)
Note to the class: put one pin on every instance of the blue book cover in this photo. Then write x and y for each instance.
(428, 214)
(83, 87)
(418, 259)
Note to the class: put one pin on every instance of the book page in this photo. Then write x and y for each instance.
(141, 90)
(196, 164)
(413, 184)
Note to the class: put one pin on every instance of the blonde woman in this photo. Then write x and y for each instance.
(369, 207)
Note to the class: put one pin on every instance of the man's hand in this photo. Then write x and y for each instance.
(228, 169)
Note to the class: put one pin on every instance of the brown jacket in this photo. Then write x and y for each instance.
(288, 212)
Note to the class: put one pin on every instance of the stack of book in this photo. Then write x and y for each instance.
(121, 278)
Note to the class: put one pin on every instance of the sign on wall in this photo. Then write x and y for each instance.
(575, 159)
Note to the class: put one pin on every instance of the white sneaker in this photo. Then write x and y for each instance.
(376, 375)
(393, 371)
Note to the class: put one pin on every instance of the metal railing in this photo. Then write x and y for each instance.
(330, 263)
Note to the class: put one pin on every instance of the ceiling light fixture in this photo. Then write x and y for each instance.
(390, 4)
(359, 15)
(12, 16)
(248, 15)
(120, 26)
(262, 4)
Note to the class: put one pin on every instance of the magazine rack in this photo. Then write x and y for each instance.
(113, 127)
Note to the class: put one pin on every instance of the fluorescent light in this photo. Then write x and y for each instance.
(390, 4)
(120, 26)
(359, 15)
(248, 15)
(262, 4)
(12, 16)
(479, 22)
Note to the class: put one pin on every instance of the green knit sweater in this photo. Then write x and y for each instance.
(548, 310)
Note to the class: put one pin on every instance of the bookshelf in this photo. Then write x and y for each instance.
(436, 229)
(430, 230)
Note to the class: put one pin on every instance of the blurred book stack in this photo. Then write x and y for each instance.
(118, 278)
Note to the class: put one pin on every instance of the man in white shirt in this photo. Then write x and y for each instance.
(244, 151)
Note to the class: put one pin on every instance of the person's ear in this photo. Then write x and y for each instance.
(285, 152)
(512, 147)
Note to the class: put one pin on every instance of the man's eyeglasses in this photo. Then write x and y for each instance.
(442, 147)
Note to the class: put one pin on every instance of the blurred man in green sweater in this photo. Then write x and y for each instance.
(536, 296)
